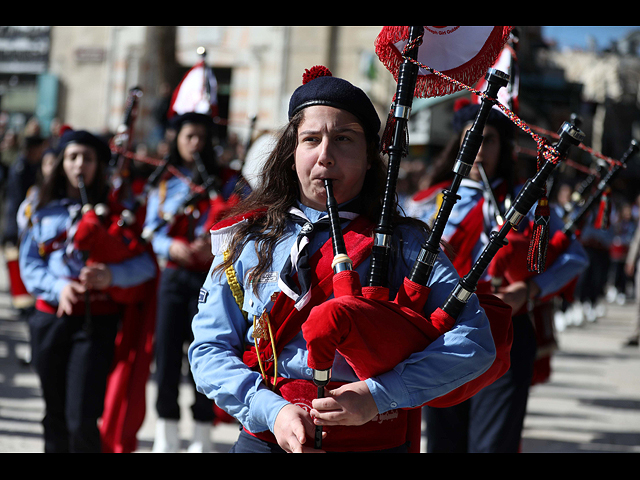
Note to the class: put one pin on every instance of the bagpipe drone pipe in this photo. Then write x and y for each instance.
(130, 215)
(576, 220)
(120, 163)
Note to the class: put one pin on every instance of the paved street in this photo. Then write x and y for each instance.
(591, 403)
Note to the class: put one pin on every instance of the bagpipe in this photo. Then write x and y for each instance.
(374, 333)
(207, 196)
(130, 215)
(513, 262)
(120, 164)
(124, 189)
(204, 192)
(576, 220)
(101, 238)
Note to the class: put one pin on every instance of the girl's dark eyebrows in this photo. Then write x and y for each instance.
(347, 128)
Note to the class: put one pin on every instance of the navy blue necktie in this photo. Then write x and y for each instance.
(298, 260)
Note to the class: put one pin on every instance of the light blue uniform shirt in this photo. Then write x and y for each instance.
(45, 277)
(221, 333)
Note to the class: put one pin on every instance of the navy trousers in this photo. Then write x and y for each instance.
(177, 305)
(492, 420)
(72, 365)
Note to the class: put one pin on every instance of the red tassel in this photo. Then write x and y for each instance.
(388, 135)
(604, 211)
(537, 256)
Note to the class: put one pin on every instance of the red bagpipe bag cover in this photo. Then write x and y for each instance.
(372, 333)
(125, 398)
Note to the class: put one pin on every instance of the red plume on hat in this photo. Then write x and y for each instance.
(63, 128)
(460, 104)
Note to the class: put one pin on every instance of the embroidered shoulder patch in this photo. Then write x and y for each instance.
(202, 297)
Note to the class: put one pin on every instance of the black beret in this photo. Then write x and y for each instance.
(178, 121)
(85, 138)
(320, 87)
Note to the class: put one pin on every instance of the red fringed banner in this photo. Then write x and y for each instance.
(463, 53)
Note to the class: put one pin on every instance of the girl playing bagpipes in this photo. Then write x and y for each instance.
(179, 214)
(273, 265)
(81, 286)
(491, 421)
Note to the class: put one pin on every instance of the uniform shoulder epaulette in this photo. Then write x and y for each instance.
(222, 231)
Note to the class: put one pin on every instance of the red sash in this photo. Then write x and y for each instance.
(286, 321)
(101, 304)
(465, 239)
(427, 193)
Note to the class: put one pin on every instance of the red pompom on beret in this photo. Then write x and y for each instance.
(315, 72)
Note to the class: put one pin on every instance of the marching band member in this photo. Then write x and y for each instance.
(72, 354)
(332, 133)
(23, 175)
(632, 268)
(184, 244)
(492, 420)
